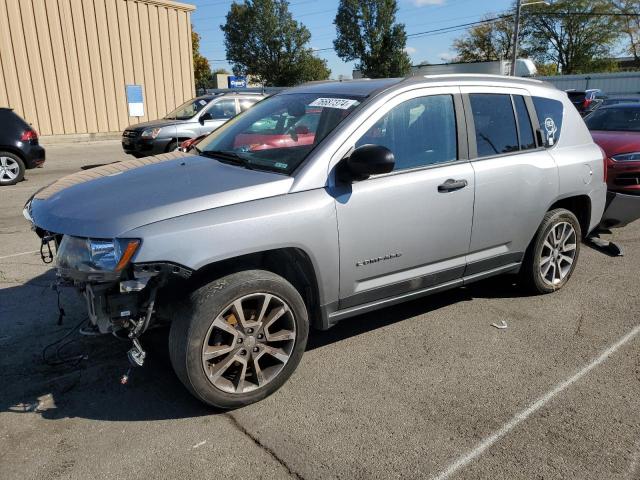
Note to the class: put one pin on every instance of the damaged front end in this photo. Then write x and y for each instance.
(120, 295)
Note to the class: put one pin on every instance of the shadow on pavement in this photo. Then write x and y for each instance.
(91, 389)
(497, 287)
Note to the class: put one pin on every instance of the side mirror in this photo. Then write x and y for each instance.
(368, 160)
(205, 116)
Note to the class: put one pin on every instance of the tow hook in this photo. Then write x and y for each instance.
(136, 354)
(47, 254)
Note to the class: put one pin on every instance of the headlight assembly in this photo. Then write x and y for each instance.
(91, 255)
(627, 157)
(150, 133)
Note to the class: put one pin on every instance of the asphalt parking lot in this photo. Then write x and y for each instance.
(428, 389)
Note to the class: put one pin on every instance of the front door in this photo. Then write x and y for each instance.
(409, 230)
(220, 111)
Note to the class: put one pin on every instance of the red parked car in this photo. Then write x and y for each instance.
(616, 129)
(191, 142)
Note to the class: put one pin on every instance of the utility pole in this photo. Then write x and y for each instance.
(516, 35)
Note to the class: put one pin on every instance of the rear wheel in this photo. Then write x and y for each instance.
(239, 338)
(553, 253)
(11, 168)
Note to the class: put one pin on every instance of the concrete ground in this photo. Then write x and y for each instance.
(424, 390)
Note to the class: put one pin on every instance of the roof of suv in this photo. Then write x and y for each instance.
(367, 87)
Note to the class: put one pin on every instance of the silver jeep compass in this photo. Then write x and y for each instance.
(320, 203)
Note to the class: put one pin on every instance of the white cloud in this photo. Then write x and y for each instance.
(410, 50)
(446, 56)
(422, 3)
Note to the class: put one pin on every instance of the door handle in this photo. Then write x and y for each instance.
(452, 185)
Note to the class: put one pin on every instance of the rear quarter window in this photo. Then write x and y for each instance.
(549, 114)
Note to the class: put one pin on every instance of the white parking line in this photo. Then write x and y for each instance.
(479, 449)
(18, 254)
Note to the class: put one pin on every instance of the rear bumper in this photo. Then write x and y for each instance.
(34, 155)
(621, 210)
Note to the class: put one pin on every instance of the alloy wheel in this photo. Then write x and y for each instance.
(9, 169)
(249, 343)
(558, 253)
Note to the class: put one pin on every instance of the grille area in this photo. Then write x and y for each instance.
(130, 133)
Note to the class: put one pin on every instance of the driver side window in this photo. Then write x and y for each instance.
(420, 132)
(223, 109)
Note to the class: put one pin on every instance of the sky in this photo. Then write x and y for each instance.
(317, 15)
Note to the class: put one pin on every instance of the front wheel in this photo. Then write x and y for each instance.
(553, 253)
(239, 338)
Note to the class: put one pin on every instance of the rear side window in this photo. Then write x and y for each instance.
(525, 130)
(549, 114)
(495, 124)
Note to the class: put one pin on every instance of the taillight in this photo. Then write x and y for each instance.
(586, 103)
(29, 136)
(605, 163)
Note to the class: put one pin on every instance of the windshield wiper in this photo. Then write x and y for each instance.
(226, 156)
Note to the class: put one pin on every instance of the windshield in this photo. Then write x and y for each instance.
(188, 109)
(279, 133)
(615, 119)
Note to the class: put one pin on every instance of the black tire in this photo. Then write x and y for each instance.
(172, 146)
(531, 274)
(21, 169)
(190, 330)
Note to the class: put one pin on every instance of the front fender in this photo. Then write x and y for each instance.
(304, 220)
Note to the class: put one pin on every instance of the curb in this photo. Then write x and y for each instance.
(47, 140)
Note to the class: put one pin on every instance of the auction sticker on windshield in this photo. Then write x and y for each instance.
(341, 103)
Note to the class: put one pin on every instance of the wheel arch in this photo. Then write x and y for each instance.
(15, 151)
(291, 263)
(580, 206)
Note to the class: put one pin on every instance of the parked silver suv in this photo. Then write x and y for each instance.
(320, 203)
(194, 118)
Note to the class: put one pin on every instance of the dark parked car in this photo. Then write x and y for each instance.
(616, 129)
(196, 117)
(586, 101)
(19, 148)
(617, 100)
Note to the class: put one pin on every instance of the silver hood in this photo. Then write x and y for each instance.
(107, 201)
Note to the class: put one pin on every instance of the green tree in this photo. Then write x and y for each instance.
(201, 69)
(568, 34)
(262, 39)
(629, 24)
(367, 31)
(487, 41)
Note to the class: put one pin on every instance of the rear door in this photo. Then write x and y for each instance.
(406, 231)
(514, 176)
